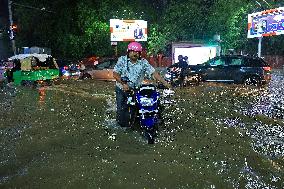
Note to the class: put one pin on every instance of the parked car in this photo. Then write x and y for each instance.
(103, 70)
(69, 71)
(235, 69)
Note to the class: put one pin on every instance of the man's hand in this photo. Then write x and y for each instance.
(159, 78)
(125, 87)
(117, 77)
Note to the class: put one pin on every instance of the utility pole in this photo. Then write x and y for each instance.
(11, 24)
(259, 47)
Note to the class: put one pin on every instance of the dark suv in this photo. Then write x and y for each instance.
(235, 69)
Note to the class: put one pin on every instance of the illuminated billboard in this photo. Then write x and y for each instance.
(266, 23)
(128, 30)
(196, 55)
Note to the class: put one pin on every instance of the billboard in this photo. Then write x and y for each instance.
(128, 30)
(266, 23)
(196, 55)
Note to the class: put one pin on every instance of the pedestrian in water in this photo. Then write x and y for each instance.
(82, 69)
(136, 69)
(186, 59)
(182, 66)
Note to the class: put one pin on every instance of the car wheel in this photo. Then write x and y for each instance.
(176, 83)
(196, 80)
(23, 83)
(87, 76)
(252, 80)
(49, 82)
(27, 83)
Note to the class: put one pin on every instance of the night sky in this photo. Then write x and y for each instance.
(3, 14)
(4, 49)
(3, 8)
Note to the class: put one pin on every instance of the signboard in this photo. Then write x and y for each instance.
(266, 23)
(128, 30)
(196, 55)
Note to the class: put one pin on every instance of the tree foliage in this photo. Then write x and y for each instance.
(230, 22)
(76, 29)
(157, 41)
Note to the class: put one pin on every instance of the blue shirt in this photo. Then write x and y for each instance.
(136, 73)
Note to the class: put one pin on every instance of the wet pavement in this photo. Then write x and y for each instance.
(214, 136)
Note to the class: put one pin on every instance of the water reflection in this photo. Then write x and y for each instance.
(268, 139)
(42, 94)
(253, 180)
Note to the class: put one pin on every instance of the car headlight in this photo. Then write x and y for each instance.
(66, 73)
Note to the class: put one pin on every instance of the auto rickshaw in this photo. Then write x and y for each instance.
(33, 68)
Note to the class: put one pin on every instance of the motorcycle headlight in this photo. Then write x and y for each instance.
(146, 101)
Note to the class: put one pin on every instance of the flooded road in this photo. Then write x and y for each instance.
(214, 136)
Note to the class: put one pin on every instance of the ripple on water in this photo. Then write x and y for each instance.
(271, 102)
(268, 140)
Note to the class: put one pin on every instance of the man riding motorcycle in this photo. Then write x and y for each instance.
(136, 69)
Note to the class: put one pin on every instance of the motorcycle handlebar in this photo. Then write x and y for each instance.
(126, 80)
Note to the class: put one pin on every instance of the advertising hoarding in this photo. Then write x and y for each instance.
(196, 55)
(128, 30)
(266, 23)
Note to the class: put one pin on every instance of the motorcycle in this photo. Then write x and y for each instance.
(144, 106)
(174, 77)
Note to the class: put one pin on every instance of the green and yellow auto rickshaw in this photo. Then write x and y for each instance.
(33, 68)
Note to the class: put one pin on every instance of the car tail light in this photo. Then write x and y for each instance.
(267, 68)
(65, 67)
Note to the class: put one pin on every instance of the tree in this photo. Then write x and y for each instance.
(157, 41)
(76, 29)
(229, 20)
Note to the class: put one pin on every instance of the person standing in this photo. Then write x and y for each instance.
(186, 59)
(136, 69)
(181, 67)
(183, 64)
(82, 69)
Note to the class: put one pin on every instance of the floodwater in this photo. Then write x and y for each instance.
(214, 136)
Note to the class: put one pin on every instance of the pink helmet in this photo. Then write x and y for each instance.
(134, 46)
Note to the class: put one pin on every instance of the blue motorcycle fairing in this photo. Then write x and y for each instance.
(147, 100)
(148, 122)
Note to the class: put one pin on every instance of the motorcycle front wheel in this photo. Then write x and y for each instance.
(150, 135)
